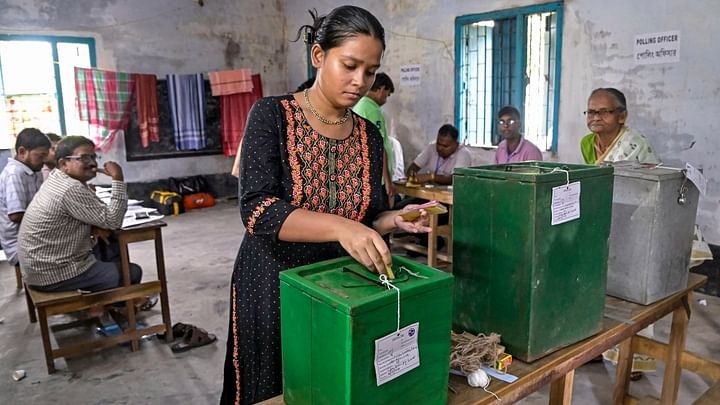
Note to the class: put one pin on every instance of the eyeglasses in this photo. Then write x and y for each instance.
(603, 113)
(508, 122)
(85, 158)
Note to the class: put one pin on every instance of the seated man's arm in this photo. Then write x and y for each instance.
(420, 161)
(83, 205)
(15, 197)
(412, 170)
(442, 179)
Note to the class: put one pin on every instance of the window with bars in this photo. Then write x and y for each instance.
(37, 84)
(508, 57)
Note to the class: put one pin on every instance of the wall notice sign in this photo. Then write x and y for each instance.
(565, 203)
(410, 75)
(696, 177)
(658, 47)
(397, 353)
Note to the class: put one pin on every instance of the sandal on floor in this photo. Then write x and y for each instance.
(195, 337)
(179, 331)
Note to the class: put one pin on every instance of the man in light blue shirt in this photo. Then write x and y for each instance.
(19, 182)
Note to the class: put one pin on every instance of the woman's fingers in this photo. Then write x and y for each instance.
(367, 247)
(382, 254)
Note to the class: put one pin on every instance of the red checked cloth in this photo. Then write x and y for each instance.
(104, 100)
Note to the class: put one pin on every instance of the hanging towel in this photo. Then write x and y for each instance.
(104, 100)
(147, 109)
(234, 111)
(231, 82)
(186, 95)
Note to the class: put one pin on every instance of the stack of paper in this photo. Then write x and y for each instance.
(136, 214)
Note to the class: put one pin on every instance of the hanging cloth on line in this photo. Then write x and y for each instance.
(186, 94)
(147, 109)
(104, 101)
(234, 111)
(228, 82)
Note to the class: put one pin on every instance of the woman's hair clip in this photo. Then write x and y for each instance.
(309, 37)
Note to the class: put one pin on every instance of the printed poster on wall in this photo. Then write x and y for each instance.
(410, 75)
(657, 47)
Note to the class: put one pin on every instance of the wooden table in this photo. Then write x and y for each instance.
(444, 195)
(147, 231)
(622, 321)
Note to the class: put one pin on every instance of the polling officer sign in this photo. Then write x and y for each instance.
(658, 47)
(410, 75)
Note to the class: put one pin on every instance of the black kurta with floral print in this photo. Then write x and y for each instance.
(286, 165)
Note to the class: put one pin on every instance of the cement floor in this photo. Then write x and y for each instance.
(200, 248)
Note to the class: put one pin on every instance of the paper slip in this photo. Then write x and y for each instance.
(140, 216)
(696, 177)
(565, 204)
(397, 353)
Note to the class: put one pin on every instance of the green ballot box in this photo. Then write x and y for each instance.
(530, 247)
(341, 343)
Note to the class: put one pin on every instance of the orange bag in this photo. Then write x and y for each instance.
(198, 200)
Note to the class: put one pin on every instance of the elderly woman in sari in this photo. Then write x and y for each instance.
(611, 140)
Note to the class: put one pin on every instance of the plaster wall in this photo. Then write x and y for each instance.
(674, 104)
(164, 37)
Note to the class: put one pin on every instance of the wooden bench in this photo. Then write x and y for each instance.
(48, 304)
(55, 303)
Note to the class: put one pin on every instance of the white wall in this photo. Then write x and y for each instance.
(675, 104)
(163, 37)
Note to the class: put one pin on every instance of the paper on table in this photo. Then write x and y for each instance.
(140, 215)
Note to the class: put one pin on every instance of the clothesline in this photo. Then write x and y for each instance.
(104, 99)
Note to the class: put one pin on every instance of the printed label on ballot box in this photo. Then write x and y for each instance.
(565, 204)
(397, 353)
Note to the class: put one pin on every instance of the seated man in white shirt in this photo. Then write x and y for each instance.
(435, 164)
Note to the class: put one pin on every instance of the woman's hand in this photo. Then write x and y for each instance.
(420, 224)
(365, 245)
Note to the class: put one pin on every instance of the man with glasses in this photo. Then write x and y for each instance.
(611, 140)
(514, 147)
(64, 237)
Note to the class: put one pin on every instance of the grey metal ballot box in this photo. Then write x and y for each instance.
(653, 218)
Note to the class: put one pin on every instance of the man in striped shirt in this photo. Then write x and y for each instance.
(19, 182)
(65, 220)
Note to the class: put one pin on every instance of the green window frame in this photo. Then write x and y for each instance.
(54, 41)
(509, 57)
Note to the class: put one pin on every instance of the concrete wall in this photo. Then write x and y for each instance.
(675, 104)
(162, 37)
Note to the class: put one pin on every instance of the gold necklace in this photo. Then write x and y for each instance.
(320, 117)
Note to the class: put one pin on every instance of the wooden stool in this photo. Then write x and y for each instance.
(54, 303)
